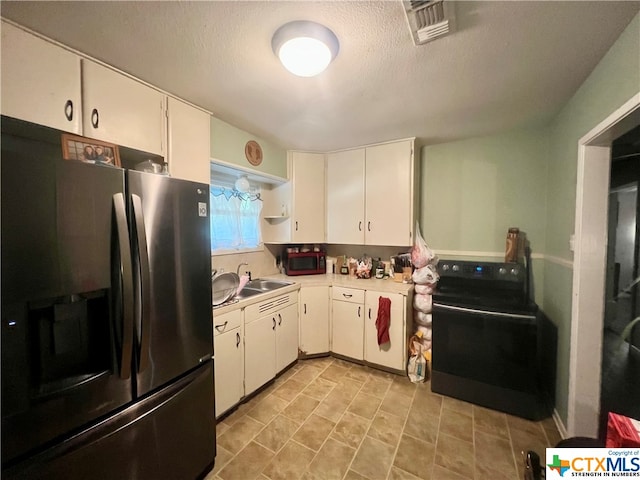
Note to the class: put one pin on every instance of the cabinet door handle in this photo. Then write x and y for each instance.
(359, 307)
(369, 314)
(237, 339)
(68, 110)
(347, 295)
(221, 326)
(296, 226)
(360, 226)
(280, 319)
(274, 323)
(95, 118)
(369, 226)
(305, 308)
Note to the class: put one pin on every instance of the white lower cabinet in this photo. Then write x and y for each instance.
(286, 337)
(270, 339)
(228, 360)
(314, 320)
(391, 354)
(347, 322)
(259, 351)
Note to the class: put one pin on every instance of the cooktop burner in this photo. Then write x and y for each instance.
(492, 286)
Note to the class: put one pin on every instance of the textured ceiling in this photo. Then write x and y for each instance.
(508, 64)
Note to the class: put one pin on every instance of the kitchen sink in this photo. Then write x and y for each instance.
(247, 292)
(265, 285)
(258, 286)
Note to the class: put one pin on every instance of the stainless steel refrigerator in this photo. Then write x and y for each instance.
(107, 343)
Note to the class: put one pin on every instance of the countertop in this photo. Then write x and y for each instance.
(386, 285)
(330, 279)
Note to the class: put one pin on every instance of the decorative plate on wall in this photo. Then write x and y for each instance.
(253, 152)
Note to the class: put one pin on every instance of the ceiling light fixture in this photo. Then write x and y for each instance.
(305, 48)
(242, 184)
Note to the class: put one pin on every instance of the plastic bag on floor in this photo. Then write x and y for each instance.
(417, 367)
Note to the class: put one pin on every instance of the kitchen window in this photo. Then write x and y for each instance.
(235, 219)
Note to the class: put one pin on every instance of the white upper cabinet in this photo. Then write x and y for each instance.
(122, 110)
(294, 212)
(345, 197)
(389, 194)
(189, 141)
(371, 195)
(307, 188)
(40, 81)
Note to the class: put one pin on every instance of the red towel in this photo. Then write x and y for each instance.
(384, 320)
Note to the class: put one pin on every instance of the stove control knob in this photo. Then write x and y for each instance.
(455, 268)
(514, 271)
(502, 270)
(445, 267)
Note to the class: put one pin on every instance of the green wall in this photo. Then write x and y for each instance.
(227, 144)
(474, 190)
(613, 82)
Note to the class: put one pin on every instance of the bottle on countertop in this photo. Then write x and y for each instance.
(379, 269)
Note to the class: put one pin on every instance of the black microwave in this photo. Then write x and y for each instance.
(304, 263)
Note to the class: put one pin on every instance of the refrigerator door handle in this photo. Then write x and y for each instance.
(145, 281)
(126, 273)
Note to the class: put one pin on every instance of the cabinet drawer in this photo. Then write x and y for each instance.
(226, 322)
(347, 294)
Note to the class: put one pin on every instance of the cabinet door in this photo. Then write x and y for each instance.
(389, 194)
(345, 197)
(307, 180)
(189, 134)
(347, 329)
(286, 336)
(259, 352)
(121, 110)
(314, 320)
(392, 353)
(40, 81)
(229, 371)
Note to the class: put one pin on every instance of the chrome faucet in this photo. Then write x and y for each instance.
(238, 269)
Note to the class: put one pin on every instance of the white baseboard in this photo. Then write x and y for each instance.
(562, 430)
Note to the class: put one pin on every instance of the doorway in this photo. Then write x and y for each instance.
(620, 377)
(589, 272)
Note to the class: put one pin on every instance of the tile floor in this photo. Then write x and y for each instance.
(329, 419)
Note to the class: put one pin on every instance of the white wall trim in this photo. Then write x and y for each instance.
(558, 261)
(587, 306)
(468, 253)
(559, 425)
(475, 254)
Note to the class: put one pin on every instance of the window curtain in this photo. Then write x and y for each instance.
(235, 219)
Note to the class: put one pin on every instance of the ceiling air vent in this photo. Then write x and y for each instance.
(429, 19)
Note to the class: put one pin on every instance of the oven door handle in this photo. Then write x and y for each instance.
(474, 311)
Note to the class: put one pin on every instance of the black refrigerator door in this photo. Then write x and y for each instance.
(172, 251)
(168, 435)
(64, 361)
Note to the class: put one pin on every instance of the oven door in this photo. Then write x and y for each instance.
(487, 358)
